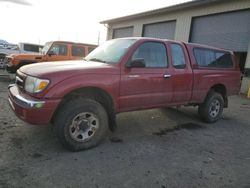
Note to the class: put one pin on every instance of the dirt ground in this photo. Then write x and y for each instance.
(153, 148)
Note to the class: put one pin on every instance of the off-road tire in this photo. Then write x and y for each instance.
(68, 112)
(214, 101)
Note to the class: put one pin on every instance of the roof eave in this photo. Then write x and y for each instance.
(192, 3)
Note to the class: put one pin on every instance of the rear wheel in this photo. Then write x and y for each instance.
(81, 124)
(212, 108)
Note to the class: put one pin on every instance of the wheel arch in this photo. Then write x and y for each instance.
(221, 89)
(95, 93)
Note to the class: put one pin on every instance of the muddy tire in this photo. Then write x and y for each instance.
(212, 108)
(81, 124)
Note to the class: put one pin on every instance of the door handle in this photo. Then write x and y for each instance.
(167, 76)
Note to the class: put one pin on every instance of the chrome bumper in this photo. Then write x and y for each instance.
(26, 102)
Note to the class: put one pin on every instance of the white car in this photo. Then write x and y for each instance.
(24, 48)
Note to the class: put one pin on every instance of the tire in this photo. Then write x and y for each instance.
(81, 124)
(2, 61)
(212, 108)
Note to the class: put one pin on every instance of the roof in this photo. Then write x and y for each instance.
(168, 40)
(76, 43)
(30, 44)
(192, 3)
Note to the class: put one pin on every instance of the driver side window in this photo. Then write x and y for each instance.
(59, 49)
(153, 53)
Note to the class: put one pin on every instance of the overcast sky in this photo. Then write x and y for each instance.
(39, 21)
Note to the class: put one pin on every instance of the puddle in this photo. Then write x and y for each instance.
(116, 140)
(165, 131)
(188, 126)
(245, 104)
(36, 155)
(225, 118)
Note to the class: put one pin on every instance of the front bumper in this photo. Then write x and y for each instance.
(29, 109)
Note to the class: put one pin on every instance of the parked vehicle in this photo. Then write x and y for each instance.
(82, 97)
(3, 43)
(52, 51)
(21, 48)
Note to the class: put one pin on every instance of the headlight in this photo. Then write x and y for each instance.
(35, 85)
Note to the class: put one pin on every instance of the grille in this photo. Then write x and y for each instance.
(20, 78)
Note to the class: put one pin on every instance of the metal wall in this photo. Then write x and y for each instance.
(163, 30)
(123, 32)
(226, 30)
(183, 18)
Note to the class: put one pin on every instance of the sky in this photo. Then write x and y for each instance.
(39, 21)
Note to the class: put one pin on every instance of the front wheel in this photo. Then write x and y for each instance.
(81, 124)
(2, 60)
(212, 108)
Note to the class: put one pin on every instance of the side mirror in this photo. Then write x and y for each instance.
(136, 63)
(50, 53)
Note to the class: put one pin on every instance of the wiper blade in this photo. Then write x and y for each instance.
(98, 60)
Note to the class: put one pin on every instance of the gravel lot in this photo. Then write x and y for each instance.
(153, 148)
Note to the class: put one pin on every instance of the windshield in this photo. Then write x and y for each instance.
(111, 51)
(46, 47)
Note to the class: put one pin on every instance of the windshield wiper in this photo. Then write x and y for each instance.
(96, 59)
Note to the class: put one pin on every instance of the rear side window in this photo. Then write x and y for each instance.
(153, 53)
(31, 48)
(213, 58)
(78, 51)
(178, 57)
(90, 49)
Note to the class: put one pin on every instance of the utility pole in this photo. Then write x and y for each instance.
(98, 38)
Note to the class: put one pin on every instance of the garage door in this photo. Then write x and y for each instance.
(163, 30)
(123, 32)
(227, 30)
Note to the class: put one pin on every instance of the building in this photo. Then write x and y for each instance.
(219, 23)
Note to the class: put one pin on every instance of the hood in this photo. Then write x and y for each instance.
(67, 68)
(27, 56)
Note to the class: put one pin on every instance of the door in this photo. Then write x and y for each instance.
(58, 52)
(150, 86)
(182, 74)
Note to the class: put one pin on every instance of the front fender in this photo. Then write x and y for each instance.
(108, 83)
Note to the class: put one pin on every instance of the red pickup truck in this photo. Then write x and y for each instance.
(82, 97)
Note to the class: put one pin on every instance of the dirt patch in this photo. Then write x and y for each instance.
(17, 142)
(6, 173)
